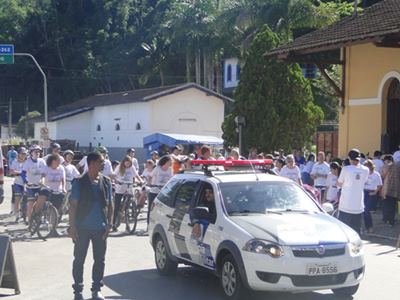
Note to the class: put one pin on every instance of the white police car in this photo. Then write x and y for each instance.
(261, 232)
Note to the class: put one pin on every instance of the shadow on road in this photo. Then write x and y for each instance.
(188, 283)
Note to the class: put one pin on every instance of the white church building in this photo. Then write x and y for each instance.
(121, 120)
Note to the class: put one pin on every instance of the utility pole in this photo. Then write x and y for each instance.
(26, 114)
(10, 118)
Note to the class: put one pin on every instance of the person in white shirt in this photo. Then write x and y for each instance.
(56, 150)
(332, 190)
(378, 162)
(125, 174)
(131, 152)
(107, 170)
(291, 171)
(19, 184)
(306, 172)
(53, 184)
(32, 175)
(396, 156)
(146, 174)
(319, 173)
(371, 194)
(161, 174)
(71, 172)
(279, 164)
(352, 180)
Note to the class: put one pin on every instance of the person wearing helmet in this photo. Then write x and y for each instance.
(56, 150)
(107, 170)
(32, 175)
(18, 186)
(71, 172)
(131, 152)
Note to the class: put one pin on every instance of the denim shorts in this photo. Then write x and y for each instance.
(18, 189)
(32, 193)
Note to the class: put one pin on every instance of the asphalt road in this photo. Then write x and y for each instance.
(44, 270)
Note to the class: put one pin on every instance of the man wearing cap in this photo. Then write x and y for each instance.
(352, 180)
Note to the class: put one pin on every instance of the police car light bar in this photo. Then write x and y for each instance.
(233, 163)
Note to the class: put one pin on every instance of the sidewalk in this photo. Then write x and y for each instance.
(382, 230)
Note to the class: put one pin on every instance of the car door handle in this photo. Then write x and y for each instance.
(170, 217)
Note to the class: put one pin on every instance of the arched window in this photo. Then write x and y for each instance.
(237, 72)
(229, 73)
(98, 128)
(117, 127)
(138, 126)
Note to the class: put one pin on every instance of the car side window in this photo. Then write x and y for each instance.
(167, 192)
(185, 195)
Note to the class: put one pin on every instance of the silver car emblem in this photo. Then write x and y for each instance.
(320, 250)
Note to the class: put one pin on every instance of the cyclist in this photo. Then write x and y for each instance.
(32, 176)
(125, 174)
(54, 184)
(71, 172)
(18, 187)
(56, 150)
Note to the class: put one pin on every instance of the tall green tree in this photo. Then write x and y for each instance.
(275, 99)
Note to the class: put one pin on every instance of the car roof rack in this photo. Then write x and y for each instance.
(232, 166)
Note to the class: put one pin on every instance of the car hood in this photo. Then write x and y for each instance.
(290, 228)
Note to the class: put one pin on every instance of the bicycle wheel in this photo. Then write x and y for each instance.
(132, 212)
(48, 221)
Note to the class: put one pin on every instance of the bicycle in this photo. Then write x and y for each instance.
(131, 205)
(44, 223)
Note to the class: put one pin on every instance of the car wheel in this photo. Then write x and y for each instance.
(231, 282)
(346, 291)
(165, 265)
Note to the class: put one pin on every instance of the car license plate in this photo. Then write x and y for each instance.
(322, 269)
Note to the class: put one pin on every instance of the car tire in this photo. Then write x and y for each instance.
(231, 281)
(165, 265)
(346, 291)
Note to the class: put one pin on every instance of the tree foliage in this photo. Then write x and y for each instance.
(25, 127)
(275, 99)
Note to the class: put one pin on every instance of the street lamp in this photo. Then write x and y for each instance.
(240, 122)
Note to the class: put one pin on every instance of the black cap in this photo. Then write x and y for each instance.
(354, 154)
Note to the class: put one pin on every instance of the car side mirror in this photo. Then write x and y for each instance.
(328, 207)
(199, 213)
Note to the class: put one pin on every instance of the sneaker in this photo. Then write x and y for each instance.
(97, 296)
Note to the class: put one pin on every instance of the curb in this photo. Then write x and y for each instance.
(380, 236)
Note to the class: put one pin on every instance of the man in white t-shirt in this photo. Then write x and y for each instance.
(131, 152)
(291, 171)
(319, 173)
(378, 162)
(352, 180)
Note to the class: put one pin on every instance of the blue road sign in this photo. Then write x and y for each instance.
(6, 49)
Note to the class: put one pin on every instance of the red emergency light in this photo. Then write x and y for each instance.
(233, 163)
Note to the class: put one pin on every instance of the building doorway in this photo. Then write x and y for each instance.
(393, 116)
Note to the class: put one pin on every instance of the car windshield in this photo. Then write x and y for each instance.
(266, 197)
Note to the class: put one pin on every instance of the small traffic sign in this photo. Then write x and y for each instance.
(6, 54)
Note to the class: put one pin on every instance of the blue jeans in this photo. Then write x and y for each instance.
(99, 246)
(369, 203)
(351, 220)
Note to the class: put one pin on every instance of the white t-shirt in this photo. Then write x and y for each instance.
(147, 174)
(135, 163)
(34, 170)
(332, 189)
(83, 164)
(374, 180)
(353, 179)
(53, 178)
(308, 167)
(160, 177)
(71, 172)
(293, 173)
(396, 156)
(320, 169)
(128, 177)
(378, 164)
(17, 167)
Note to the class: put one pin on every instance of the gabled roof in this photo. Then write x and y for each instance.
(374, 23)
(142, 95)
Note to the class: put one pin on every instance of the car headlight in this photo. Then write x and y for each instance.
(356, 246)
(264, 247)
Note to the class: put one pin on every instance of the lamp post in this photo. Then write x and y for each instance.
(240, 122)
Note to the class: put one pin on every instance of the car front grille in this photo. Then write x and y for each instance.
(319, 250)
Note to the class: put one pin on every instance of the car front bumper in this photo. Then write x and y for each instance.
(288, 273)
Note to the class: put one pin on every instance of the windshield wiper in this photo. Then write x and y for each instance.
(245, 211)
(268, 211)
(295, 210)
